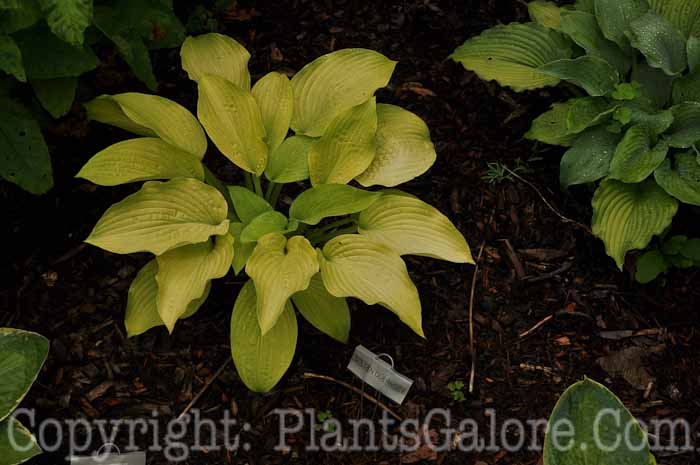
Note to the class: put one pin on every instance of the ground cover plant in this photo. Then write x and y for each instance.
(634, 125)
(336, 240)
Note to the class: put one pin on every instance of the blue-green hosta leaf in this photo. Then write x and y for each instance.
(241, 251)
(615, 18)
(681, 178)
(274, 96)
(265, 223)
(589, 158)
(333, 84)
(693, 51)
(683, 14)
(347, 148)
(587, 6)
(261, 360)
(56, 95)
(656, 122)
(586, 112)
(185, 273)
(140, 159)
(511, 55)
(248, 204)
(595, 75)
(349, 264)
(410, 226)
(404, 148)
(232, 119)
(650, 266)
(290, 161)
(162, 216)
(661, 44)
(279, 268)
(142, 302)
(546, 13)
(11, 58)
(22, 354)
(17, 444)
(151, 115)
(600, 421)
(686, 88)
(218, 55)
(635, 159)
(583, 29)
(329, 314)
(685, 130)
(627, 216)
(68, 19)
(320, 202)
(655, 84)
(552, 127)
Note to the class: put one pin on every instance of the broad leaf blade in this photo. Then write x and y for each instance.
(55, 95)
(593, 74)
(11, 58)
(546, 13)
(265, 223)
(551, 127)
(68, 19)
(685, 130)
(650, 266)
(681, 178)
(660, 42)
(683, 14)
(687, 88)
(329, 314)
(326, 200)
(275, 98)
(218, 55)
(615, 18)
(635, 159)
(248, 205)
(586, 112)
(241, 251)
(290, 161)
(588, 160)
(17, 444)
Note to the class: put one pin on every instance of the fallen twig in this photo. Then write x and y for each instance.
(472, 348)
(534, 328)
(204, 389)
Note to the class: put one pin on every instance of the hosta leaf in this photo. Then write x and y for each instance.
(56, 95)
(261, 360)
(656, 122)
(586, 112)
(279, 268)
(11, 58)
(241, 251)
(142, 303)
(184, 274)
(404, 148)
(412, 227)
(22, 354)
(511, 55)
(347, 148)
(650, 266)
(551, 127)
(682, 178)
(218, 55)
(600, 421)
(615, 18)
(350, 265)
(685, 130)
(17, 444)
(583, 29)
(546, 13)
(150, 115)
(68, 19)
(233, 121)
(162, 216)
(274, 96)
(635, 159)
(687, 88)
(593, 74)
(320, 202)
(290, 161)
(263, 224)
(248, 205)
(627, 216)
(655, 84)
(693, 51)
(589, 158)
(20, 18)
(329, 314)
(683, 14)
(333, 84)
(660, 42)
(140, 159)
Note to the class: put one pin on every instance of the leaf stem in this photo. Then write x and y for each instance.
(330, 235)
(248, 181)
(275, 194)
(257, 186)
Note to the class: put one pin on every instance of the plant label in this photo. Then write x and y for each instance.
(371, 369)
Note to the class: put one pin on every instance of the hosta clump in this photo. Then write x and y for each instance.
(673, 252)
(335, 241)
(636, 131)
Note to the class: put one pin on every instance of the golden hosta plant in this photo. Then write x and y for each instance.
(337, 240)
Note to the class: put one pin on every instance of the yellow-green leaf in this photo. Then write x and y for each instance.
(551, 127)
(23, 445)
(218, 55)
(279, 268)
(347, 148)
(275, 98)
(141, 159)
(355, 266)
(290, 161)
(635, 159)
(162, 216)
(548, 14)
(329, 314)
(265, 223)
(326, 200)
(241, 250)
(595, 75)
(248, 204)
(333, 84)
(261, 360)
(233, 121)
(404, 148)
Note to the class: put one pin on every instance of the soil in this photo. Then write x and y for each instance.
(546, 296)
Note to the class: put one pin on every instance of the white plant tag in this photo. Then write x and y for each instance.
(374, 371)
(108, 458)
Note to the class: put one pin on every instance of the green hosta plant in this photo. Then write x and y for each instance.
(335, 241)
(636, 130)
(676, 251)
(22, 354)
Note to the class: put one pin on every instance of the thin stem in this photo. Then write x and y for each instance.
(257, 186)
(248, 181)
(268, 192)
(326, 237)
(275, 194)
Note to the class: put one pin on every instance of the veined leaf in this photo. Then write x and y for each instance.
(350, 265)
(627, 216)
(685, 130)
(546, 13)
(279, 268)
(17, 19)
(185, 273)
(162, 216)
(655, 122)
(589, 158)
(23, 445)
(333, 84)
(587, 6)
(682, 178)
(233, 121)
(595, 75)
(141, 159)
(347, 148)
(317, 203)
(106, 110)
(686, 88)
(329, 314)
(404, 149)
(656, 85)
(635, 159)
(241, 251)
(552, 127)
(615, 18)
(68, 19)
(56, 95)
(586, 112)
(683, 14)
(693, 52)
(650, 266)
(511, 55)
(218, 55)
(290, 161)
(274, 96)
(265, 223)
(11, 58)
(660, 42)
(261, 360)
(248, 205)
